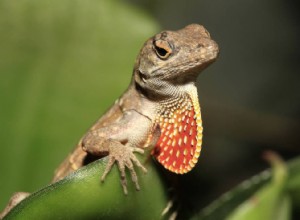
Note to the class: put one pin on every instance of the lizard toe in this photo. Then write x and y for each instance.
(110, 163)
(133, 174)
(138, 150)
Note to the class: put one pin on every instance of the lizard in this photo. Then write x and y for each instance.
(160, 108)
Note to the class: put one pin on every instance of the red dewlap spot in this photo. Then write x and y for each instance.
(177, 144)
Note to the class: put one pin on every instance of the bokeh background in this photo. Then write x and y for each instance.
(63, 62)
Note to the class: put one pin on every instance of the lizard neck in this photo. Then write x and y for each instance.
(158, 90)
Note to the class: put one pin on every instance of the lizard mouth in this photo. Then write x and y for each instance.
(143, 76)
(212, 55)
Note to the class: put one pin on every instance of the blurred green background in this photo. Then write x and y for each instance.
(62, 63)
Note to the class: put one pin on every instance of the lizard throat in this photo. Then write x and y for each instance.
(179, 145)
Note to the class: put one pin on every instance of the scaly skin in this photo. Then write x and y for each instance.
(160, 108)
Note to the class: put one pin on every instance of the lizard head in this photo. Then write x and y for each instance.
(174, 58)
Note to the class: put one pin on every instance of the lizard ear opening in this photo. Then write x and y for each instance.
(162, 49)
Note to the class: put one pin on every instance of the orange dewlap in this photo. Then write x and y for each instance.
(179, 145)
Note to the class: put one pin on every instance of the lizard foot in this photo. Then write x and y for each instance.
(124, 157)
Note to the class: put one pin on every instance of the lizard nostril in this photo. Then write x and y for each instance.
(200, 45)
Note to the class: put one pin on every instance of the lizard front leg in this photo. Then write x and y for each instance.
(78, 158)
(120, 140)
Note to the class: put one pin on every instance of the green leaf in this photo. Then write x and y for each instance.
(283, 209)
(293, 184)
(221, 207)
(264, 203)
(82, 196)
(260, 197)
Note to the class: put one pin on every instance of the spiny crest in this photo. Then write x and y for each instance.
(179, 145)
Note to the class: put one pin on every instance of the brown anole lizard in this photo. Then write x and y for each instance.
(160, 108)
(162, 99)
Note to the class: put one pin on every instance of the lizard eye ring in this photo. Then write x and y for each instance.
(162, 49)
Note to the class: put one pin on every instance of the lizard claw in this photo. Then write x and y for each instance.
(124, 157)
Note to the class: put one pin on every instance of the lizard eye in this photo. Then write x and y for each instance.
(162, 49)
